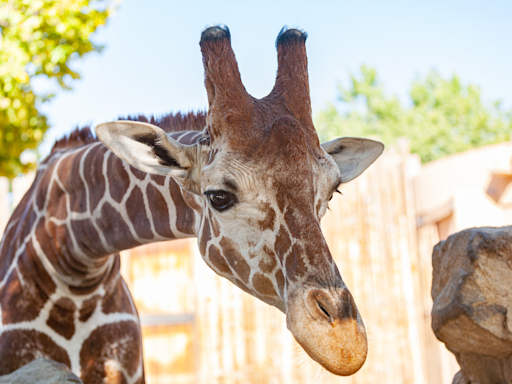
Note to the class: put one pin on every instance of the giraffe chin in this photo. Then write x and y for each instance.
(330, 331)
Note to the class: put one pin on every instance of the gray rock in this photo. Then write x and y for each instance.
(472, 292)
(41, 371)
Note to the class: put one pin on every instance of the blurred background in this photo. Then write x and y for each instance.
(430, 79)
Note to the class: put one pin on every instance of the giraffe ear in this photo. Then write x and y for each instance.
(353, 155)
(148, 148)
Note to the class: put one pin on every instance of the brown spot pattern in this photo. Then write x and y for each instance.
(185, 217)
(270, 217)
(111, 222)
(243, 287)
(295, 266)
(215, 226)
(282, 244)
(218, 260)
(31, 265)
(88, 307)
(69, 175)
(13, 238)
(119, 341)
(138, 174)
(87, 238)
(205, 237)
(191, 201)
(280, 281)
(159, 211)
(20, 347)
(62, 316)
(234, 258)
(296, 223)
(93, 174)
(17, 303)
(57, 208)
(263, 284)
(160, 180)
(60, 249)
(51, 236)
(117, 301)
(108, 279)
(118, 179)
(137, 214)
(269, 261)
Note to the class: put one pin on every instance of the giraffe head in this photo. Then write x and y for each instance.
(264, 182)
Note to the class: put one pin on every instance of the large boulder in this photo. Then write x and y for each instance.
(41, 371)
(472, 293)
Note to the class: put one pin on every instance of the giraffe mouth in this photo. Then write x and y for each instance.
(327, 324)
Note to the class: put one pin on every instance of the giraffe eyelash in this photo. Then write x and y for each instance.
(335, 191)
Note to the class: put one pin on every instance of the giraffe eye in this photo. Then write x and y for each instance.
(221, 200)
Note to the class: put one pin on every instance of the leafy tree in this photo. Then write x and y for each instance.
(39, 38)
(444, 115)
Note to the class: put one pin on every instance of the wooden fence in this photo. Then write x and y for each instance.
(199, 328)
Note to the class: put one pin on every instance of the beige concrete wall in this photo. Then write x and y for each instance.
(441, 179)
(469, 189)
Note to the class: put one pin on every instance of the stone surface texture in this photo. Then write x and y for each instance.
(41, 371)
(472, 293)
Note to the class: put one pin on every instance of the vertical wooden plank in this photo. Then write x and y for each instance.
(168, 354)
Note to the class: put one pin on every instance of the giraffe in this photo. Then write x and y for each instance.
(250, 180)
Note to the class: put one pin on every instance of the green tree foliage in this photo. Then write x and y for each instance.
(39, 38)
(444, 115)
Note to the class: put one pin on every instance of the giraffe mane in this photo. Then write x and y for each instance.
(77, 138)
(191, 121)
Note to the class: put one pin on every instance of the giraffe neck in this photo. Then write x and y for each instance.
(61, 292)
(86, 205)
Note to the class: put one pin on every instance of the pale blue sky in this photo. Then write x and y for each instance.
(152, 63)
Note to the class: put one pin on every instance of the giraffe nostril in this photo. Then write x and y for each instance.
(332, 306)
(321, 305)
(325, 311)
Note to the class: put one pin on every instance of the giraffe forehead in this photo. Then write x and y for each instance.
(290, 164)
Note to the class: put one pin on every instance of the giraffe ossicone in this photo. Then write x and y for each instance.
(251, 182)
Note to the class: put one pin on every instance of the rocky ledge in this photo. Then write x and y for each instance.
(41, 371)
(472, 292)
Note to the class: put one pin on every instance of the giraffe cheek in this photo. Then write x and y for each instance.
(218, 261)
(235, 259)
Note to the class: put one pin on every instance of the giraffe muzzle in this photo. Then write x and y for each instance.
(327, 324)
